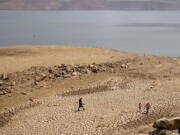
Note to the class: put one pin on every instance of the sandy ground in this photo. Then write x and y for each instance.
(105, 112)
(115, 110)
(18, 58)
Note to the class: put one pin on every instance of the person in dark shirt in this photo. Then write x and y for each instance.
(147, 106)
(81, 104)
(140, 107)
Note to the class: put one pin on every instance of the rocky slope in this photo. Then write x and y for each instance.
(43, 99)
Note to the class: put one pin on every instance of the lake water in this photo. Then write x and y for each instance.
(150, 32)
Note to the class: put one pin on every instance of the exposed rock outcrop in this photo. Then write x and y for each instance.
(36, 76)
(169, 124)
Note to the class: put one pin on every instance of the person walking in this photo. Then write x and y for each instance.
(147, 107)
(140, 107)
(81, 104)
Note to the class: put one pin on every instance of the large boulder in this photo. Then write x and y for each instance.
(169, 124)
(165, 132)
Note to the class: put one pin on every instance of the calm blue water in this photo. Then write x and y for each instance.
(150, 32)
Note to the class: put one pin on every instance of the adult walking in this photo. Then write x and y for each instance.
(147, 107)
(81, 104)
(140, 107)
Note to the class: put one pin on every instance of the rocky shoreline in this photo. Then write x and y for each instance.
(36, 75)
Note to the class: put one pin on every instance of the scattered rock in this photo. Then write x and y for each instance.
(175, 131)
(35, 76)
(175, 134)
(75, 73)
(124, 66)
(50, 71)
(62, 73)
(35, 83)
(90, 66)
(67, 76)
(165, 132)
(88, 71)
(84, 70)
(109, 65)
(56, 75)
(166, 76)
(31, 99)
(1, 83)
(169, 124)
(4, 76)
(103, 69)
(38, 78)
(9, 95)
(4, 90)
(42, 84)
(43, 75)
(94, 69)
(13, 83)
(69, 69)
(115, 133)
(2, 93)
(112, 70)
(8, 90)
(23, 93)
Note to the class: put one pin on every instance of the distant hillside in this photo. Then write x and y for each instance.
(90, 4)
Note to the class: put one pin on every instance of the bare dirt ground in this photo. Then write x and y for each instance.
(111, 96)
(18, 58)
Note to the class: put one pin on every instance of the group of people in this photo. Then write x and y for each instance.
(147, 108)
